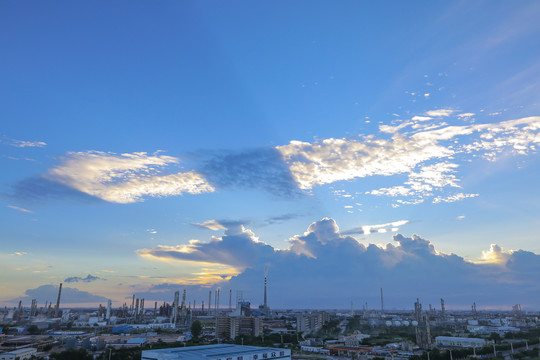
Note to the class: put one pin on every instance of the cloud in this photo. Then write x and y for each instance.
(440, 113)
(20, 253)
(22, 143)
(281, 218)
(379, 228)
(20, 209)
(332, 160)
(466, 115)
(50, 292)
(410, 266)
(40, 188)
(125, 178)
(453, 198)
(421, 118)
(238, 248)
(262, 169)
(211, 225)
(423, 154)
(88, 278)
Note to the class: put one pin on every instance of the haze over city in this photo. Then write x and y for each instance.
(339, 147)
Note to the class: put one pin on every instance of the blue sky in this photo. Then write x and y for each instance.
(157, 146)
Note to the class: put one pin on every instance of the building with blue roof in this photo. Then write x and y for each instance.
(218, 352)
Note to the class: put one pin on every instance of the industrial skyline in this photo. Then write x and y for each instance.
(309, 154)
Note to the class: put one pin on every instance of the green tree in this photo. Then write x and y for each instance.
(33, 330)
(72, 354)
(196, 328)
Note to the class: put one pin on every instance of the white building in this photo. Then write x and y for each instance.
(217, 352)
(21, 354)
(460, 342)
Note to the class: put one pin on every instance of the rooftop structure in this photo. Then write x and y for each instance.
(451, 341)
(217, 352)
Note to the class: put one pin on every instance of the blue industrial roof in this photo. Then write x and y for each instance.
(219, 351)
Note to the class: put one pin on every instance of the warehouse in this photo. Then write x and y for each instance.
(218, 352)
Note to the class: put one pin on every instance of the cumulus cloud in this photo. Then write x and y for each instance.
(125, 178)
(238, 248)
(88, 278)
(410, 266)
(69, 295)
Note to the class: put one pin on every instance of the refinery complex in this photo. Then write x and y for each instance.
(162, 330)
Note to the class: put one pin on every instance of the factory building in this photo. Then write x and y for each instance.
(217, 352)
(461, 342)
(19, 354)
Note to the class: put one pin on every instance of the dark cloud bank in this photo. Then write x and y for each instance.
(49, 293)
(324, 268)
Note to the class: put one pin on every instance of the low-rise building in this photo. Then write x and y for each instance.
(20, 354)
(217, 352)
(450, 341)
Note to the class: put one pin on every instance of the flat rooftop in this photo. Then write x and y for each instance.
(217, 352)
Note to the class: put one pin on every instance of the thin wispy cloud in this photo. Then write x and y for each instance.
(22, 143)
(87, 279)
(19, 209)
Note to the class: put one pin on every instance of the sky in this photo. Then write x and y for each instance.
(148, 147)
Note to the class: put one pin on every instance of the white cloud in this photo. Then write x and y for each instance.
(22, 143)
(20, 253)
(211, 225)
(333, 160)
(421, 118)
(466, 115)
(460, 217)
(453, 198)
(330, 160)
(19, 209)
(440, 112)
(125, 178)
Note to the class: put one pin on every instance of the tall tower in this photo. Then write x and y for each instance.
(58, 301)
(209, 301)
(174, 315)
(265, 306)
(382, 303)
(443, 309)
(108, 316)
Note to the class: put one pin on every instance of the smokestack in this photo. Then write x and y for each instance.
(209, 301)
(58, 301)
(265, 275)
(382, 303)
(108, 316)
